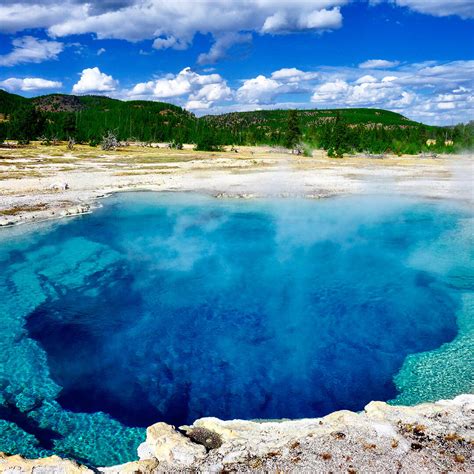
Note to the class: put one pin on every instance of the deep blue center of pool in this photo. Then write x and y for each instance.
(190, 306)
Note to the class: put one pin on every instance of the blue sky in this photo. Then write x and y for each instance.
(410, 56)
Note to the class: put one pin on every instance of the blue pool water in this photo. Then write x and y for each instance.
(171, 307)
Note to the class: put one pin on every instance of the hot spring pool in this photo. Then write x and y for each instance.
(171, 307)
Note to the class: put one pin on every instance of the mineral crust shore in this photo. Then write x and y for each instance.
(431, 437)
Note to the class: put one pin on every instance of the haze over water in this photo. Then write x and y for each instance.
(263, 309)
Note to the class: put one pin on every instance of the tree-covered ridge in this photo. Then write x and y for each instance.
(94, 116)
(87, 119)
(278, 118)
(368, 130)
(10, 102)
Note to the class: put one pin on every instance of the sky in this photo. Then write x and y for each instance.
(415, 57)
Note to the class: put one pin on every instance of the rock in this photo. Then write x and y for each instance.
(147, 466)
(75, 210)
(59, 186)
(167, 445)
(207, 438)
(6, 221)
(431, 437)
(52, 465)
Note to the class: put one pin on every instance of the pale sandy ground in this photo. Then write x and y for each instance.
(30, 176)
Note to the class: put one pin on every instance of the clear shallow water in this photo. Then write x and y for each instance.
(172, 307)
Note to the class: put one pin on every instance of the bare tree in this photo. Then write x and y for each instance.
(109, 141)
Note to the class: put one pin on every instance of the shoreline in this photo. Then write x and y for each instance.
(249, 445)
(429, 437)
(40, 183)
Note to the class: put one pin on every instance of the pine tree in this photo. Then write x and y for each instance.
(26, 124)
(3, 132)
(293, 131)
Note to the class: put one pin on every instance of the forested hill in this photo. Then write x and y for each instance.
(88, 118)
(11, 102)
(308, 118)
(263, 125)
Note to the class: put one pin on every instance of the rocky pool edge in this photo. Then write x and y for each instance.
(429, 437)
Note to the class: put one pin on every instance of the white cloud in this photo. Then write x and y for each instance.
(259, 90)
(22, 15)
(430, 92)
(196, 105)
(286, 20)
(29, 49)
(368, 78)
(449, 75)
(213, 93)
(321, 19)
(389, 78)
(93, 80)
(101, 51)
(462, 8)
(293, 74)
(378, 64)
(181, 20)
(335, 91)
(200, 90)
(149, 19)
(263, 90)
(424, 91)
(167, 88)
(170, 42)
(221, 45)
(29, 84)
(172, 24)
(404, 90)
(446, 105)
(367, 93)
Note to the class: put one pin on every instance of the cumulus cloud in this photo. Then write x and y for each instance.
(462, 8)
(19, 16)
(263, 90)
(367, 91)
(287, 20)
(431, 92)
(29, 84)
(29, 49)
(172, 24)
(293, 74)
(258, 90)
(213, 93)
(435, 75)
(181, 20)
(94, 81)
(197, 91)
(172, 42)
(378, 64)
(365, 79)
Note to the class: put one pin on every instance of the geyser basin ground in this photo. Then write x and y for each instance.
(170, 307)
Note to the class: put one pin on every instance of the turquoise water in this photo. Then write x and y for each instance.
(170, 307)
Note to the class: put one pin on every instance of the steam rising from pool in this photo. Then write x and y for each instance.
(173, 307)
